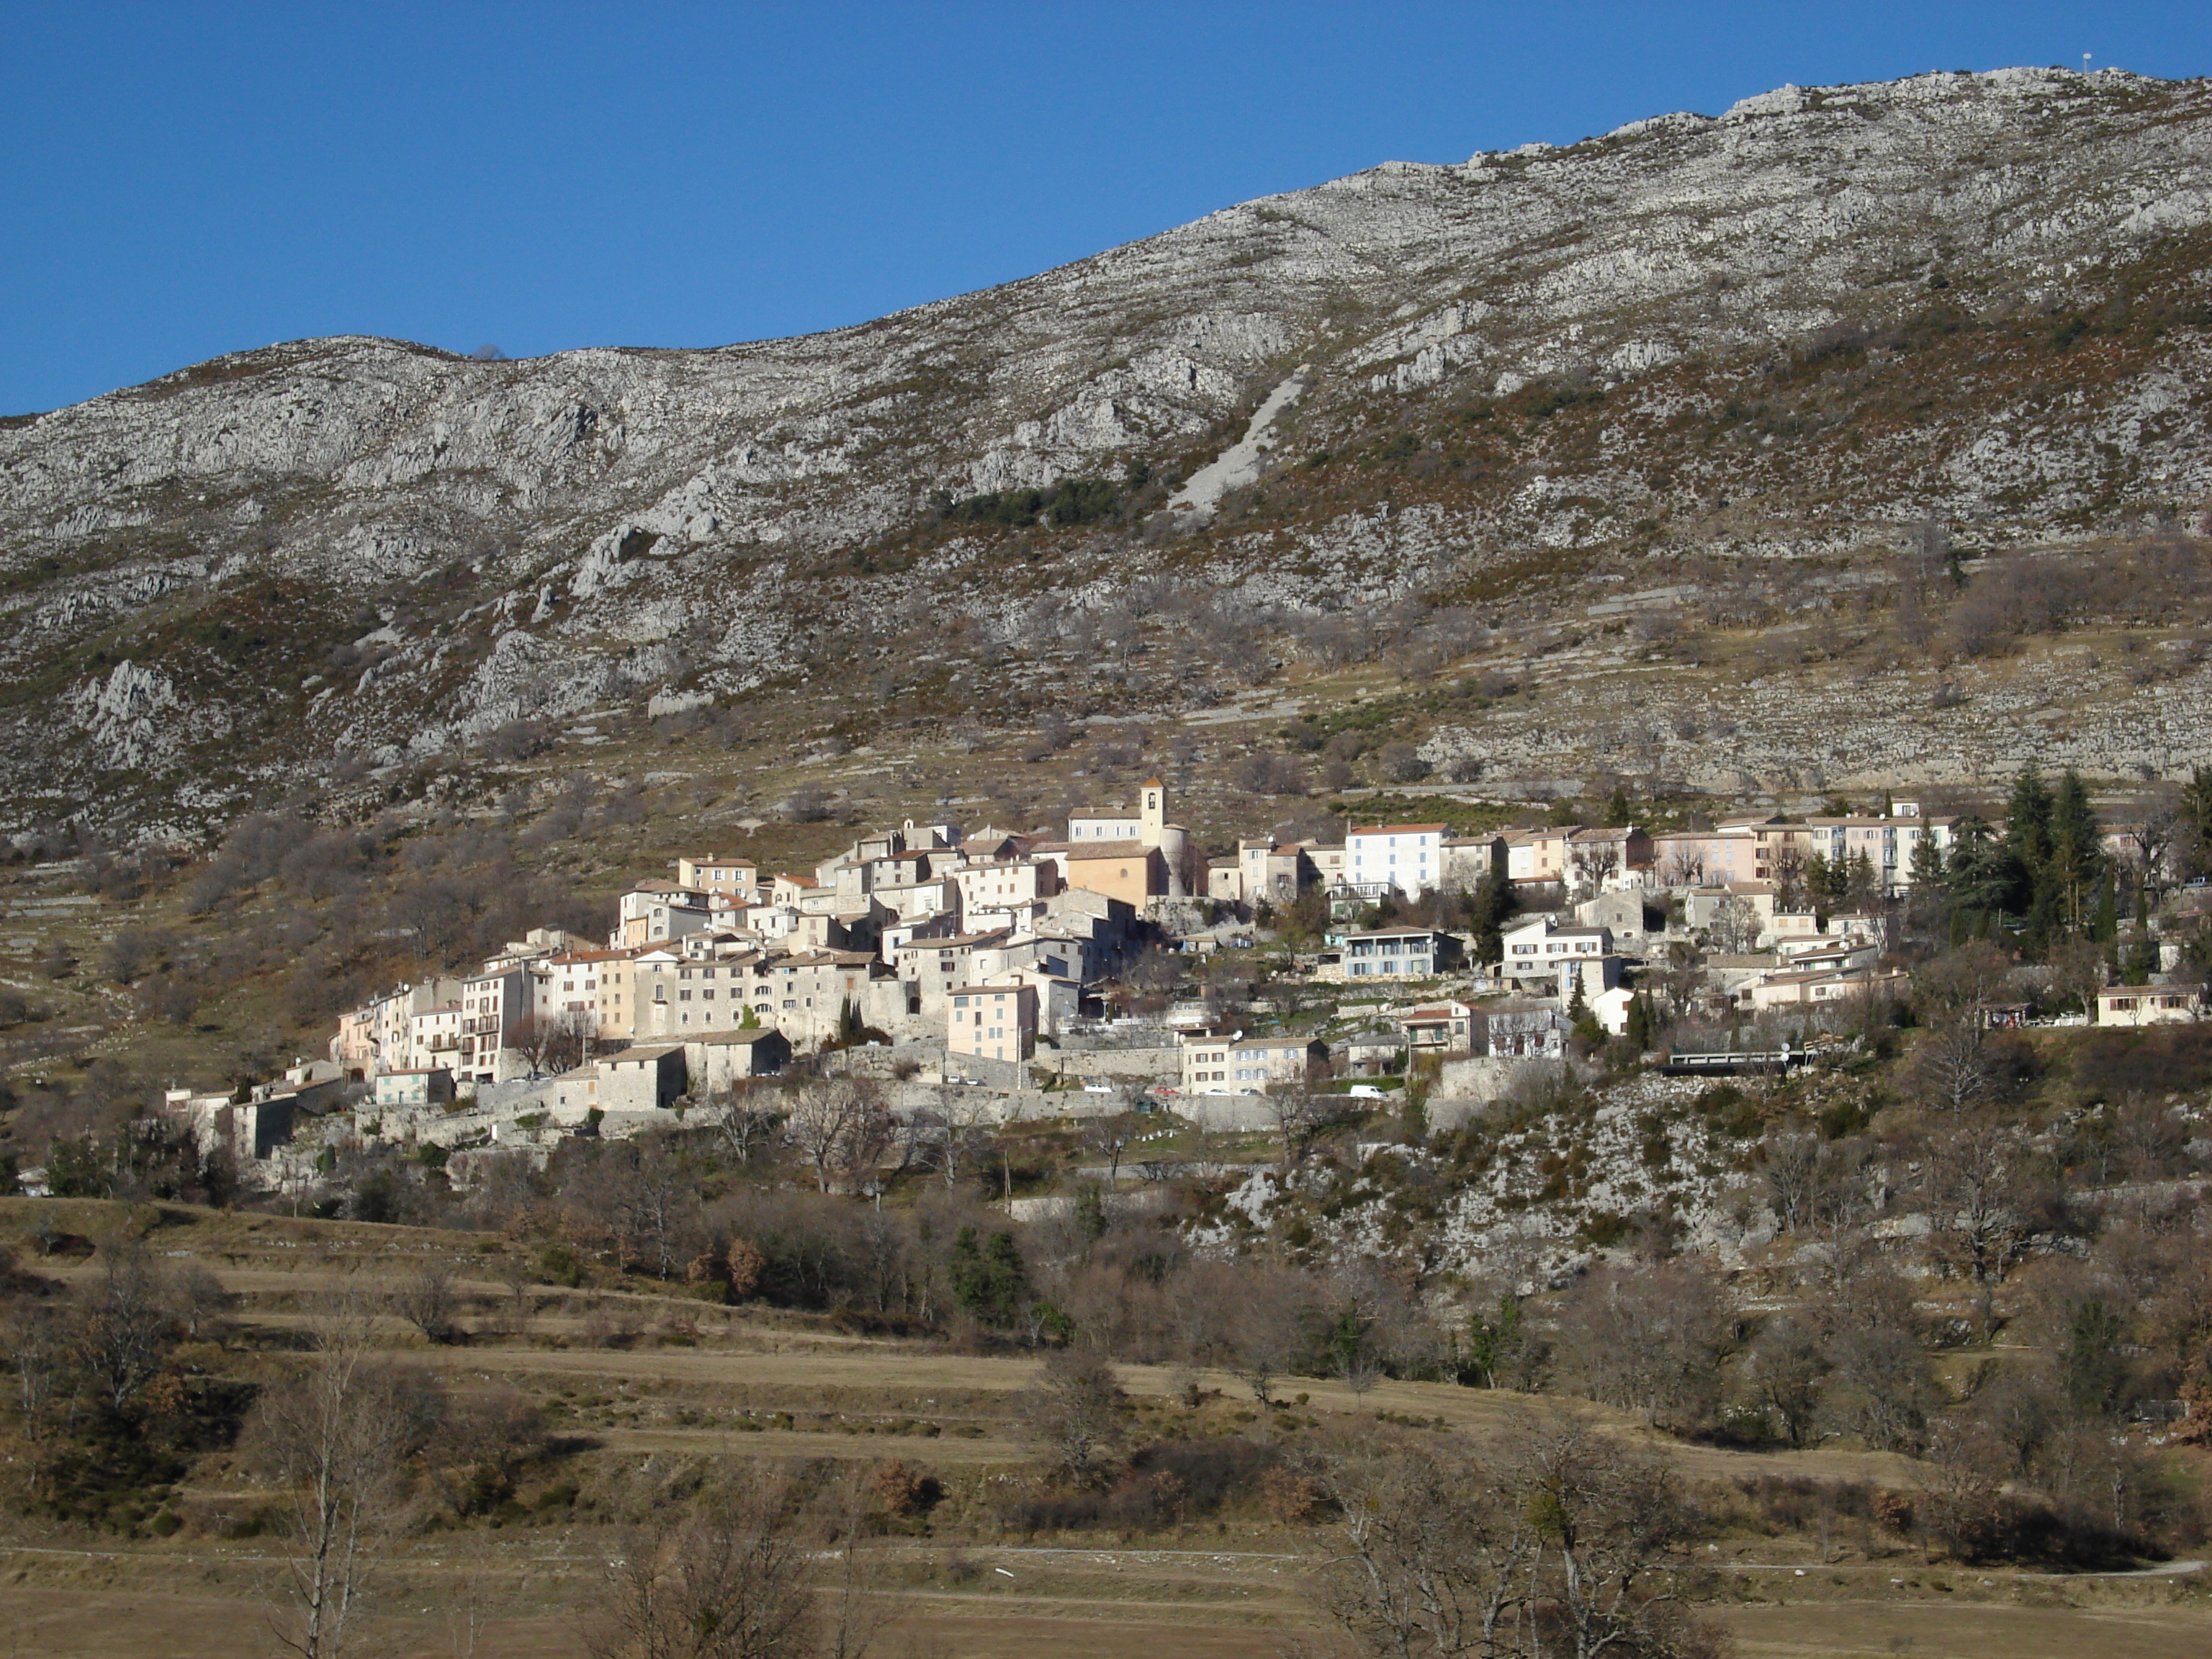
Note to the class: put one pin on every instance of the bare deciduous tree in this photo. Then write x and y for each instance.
(1594, 863)
(954, 1135)
(2159, 817)
(743, 1123)
(1791, 1170)
(722, 1577)
(1297, 1114)
(425, 1300)
(1878, 1387)
(1952, 1064)
(551, 1045)
(840, 1126)
(1074, 1414)
(1783, 1372)
(1562, 1543)
(335, 1440)
(1267, 1331)
(1650, 1341)
(1110, 1138)
(1981, 1204)
(127, 1324)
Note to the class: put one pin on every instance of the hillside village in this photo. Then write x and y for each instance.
(1028, 973)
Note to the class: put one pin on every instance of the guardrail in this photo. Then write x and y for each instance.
(1729, 1062)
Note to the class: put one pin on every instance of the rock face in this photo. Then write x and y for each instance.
(255, 568)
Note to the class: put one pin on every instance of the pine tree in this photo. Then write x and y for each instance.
(1929, 900)
(1983, 875)
(1862, 889)
(988, 1277)
(1819, 881)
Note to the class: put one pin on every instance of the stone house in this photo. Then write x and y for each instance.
(493, 1004)
(643, 1078)
(1470, 860)
(722, 1059)
(434, 1035)
(1537, 858)
(1606, 859)
(937, 966)
(417, 1085)
(1125, 870)
(585, 989)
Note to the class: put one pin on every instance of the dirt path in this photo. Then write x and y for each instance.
(1836, 1629)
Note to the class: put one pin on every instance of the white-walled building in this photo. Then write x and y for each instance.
(1404, 858)
(1239, 1064)
(1535, 949)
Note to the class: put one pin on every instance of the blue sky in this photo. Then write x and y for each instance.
(185, 179)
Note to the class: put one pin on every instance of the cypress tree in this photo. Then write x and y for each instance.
(2196, 800)
(2076, 856)
(1639, 1023)
(2027, 839)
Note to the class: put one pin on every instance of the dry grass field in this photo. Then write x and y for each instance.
(634, 1381)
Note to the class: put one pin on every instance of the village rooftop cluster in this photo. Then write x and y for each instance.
(993, 961)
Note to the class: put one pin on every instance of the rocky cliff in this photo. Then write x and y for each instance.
(1690, 356)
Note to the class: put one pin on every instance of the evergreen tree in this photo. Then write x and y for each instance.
(2107, 926)
(1639, 1023)
(1492, 1339)
(2075, 860)
(1929, 907)
(988, 1277)
(1983, 875)
(2197, 802)
(1823, 882)
(1488, 909)
(2027, 841)
(1861, 887)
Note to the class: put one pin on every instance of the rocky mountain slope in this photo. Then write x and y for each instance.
(1697, 373)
